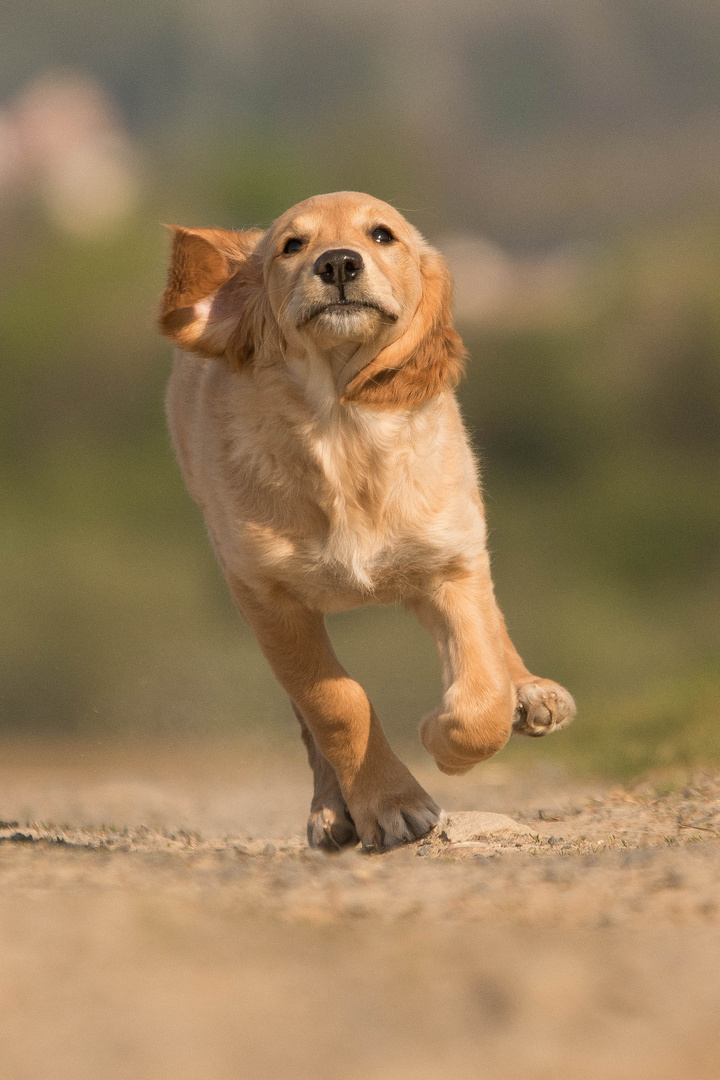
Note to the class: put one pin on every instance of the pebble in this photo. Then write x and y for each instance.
(467, 825)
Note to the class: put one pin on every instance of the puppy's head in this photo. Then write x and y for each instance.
(335, 269)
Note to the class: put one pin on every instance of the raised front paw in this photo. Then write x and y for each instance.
(459, 743)
(330, 826)
(542, 706)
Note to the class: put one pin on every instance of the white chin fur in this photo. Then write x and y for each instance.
(349, 322)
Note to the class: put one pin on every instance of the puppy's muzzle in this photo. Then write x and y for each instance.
(340, 267)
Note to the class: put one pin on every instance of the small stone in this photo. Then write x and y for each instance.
(465, 825)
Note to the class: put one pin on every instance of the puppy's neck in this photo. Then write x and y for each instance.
(322, 374)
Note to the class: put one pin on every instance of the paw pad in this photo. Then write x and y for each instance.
(542, 707)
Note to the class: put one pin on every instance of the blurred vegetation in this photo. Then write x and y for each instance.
(534, 122)
(598, 428)
(599, 437)
(601, 445)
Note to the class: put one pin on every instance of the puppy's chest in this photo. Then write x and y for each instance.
(364, 492)
(352, 480)
(375, 512)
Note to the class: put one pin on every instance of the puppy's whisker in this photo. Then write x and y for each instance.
(284, 306)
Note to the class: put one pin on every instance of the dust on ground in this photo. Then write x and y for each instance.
(161, 916)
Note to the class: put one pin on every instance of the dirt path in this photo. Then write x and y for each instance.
(160, 916)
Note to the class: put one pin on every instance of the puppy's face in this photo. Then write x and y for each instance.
(342, 267)
(335, 269)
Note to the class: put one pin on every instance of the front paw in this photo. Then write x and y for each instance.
(542, 706)
(395, 817)
(330, 827)
(459, 744)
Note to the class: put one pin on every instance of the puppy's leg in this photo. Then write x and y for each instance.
(475, 717)
(386, 803)
(541, 705)
(329, 826)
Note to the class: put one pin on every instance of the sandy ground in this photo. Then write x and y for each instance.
(160, 917)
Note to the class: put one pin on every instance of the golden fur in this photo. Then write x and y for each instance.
(312, 412)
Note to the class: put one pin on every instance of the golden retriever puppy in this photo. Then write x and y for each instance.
(312, 411)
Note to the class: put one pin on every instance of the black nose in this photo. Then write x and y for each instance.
(339, 265)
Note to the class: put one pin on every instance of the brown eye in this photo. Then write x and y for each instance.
(381, 235)
(292, 245)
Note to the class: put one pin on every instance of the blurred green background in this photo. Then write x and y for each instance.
(567, 159)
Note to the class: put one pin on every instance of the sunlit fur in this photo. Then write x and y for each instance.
(325, 447)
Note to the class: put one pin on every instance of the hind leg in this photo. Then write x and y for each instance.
(329, 826)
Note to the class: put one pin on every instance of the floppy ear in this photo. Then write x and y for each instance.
(427, 358)
(214, 301)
